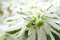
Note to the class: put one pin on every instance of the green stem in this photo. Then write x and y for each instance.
(36, 34)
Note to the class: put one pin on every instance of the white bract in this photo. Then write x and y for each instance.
(30, 20)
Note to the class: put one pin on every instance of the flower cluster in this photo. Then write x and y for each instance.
(30, 20)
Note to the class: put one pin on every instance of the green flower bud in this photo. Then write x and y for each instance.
(31, 22)
(39, 22)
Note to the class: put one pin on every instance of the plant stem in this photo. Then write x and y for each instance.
(36, 34)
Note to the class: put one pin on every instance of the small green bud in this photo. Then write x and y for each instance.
(39, 22)
(28, 24)
(31, 21)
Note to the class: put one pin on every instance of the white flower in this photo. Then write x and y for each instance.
(31, 19)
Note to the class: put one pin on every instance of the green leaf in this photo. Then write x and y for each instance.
(24, 36)
(14, 31)
(56, 36)
(48, 37)
(10, 20)
(54, 28)
(21, 13)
